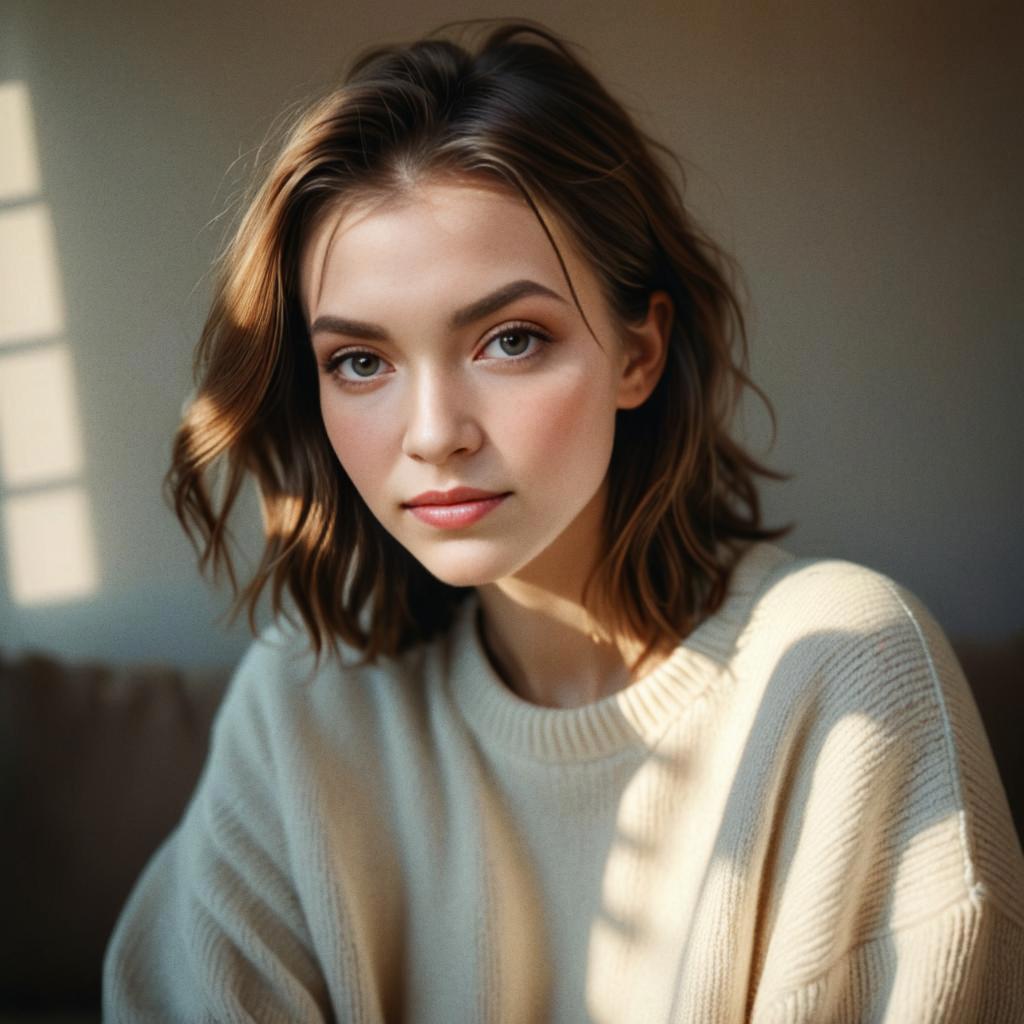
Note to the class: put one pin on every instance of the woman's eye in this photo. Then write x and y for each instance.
(356, 366)
(510, 344)
(514, 342)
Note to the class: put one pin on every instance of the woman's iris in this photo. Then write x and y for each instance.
(519, 345)
(365, 365)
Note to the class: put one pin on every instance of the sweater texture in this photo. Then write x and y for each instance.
(796, 817)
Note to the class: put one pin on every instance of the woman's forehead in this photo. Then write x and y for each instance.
(462, 227)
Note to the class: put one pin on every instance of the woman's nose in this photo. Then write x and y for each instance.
(440, 421)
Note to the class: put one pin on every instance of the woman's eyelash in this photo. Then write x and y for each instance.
(519, 328)
(333, 363)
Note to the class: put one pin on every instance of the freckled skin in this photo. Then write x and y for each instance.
(450, 407)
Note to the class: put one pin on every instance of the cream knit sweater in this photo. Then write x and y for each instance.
(795, 818)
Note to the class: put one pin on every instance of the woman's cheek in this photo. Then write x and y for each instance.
(356, 443)
(565, 427)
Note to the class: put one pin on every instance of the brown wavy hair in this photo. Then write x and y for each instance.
(523, 109)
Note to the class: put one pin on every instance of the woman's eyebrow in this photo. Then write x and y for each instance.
(330, 324)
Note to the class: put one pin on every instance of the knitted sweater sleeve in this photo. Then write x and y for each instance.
(895, 890)
(213, 930)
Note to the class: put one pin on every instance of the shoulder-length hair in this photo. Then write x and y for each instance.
(521, 109)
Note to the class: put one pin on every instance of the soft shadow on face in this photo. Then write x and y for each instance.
(518, 400)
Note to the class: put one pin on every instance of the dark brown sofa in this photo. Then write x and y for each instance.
(97, 764)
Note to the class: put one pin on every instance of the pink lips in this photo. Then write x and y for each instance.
(452, 509)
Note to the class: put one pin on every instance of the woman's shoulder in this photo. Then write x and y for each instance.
(848, 615)
(863, 682)
(853, 661)
(856, 631)
(849, 639)
(831, 589)
(284, 654)
(282, 685)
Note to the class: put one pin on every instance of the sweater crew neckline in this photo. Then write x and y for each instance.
(636, 716)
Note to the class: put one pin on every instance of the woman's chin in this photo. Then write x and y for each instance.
(466, 571)
(463, 577)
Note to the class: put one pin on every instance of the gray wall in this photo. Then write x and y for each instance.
(861, 160)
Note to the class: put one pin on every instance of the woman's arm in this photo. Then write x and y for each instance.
(895, 892)
(213, 930)
(961, 963)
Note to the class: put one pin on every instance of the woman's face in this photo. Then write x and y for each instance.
(451, 355)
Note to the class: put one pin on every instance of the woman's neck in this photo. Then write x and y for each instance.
(550, 650)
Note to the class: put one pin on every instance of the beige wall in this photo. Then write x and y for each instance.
(862, 160)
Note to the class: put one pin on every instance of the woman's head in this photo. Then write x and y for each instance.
(515, 163)
(451, 355)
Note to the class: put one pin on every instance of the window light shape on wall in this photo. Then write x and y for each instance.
(48, 540)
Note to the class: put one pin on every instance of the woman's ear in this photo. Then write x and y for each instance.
(645, 349)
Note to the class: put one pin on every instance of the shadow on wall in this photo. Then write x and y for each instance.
(48, 543)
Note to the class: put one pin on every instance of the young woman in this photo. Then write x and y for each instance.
(547, 727)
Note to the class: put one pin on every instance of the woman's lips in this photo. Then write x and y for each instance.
(463, 513)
